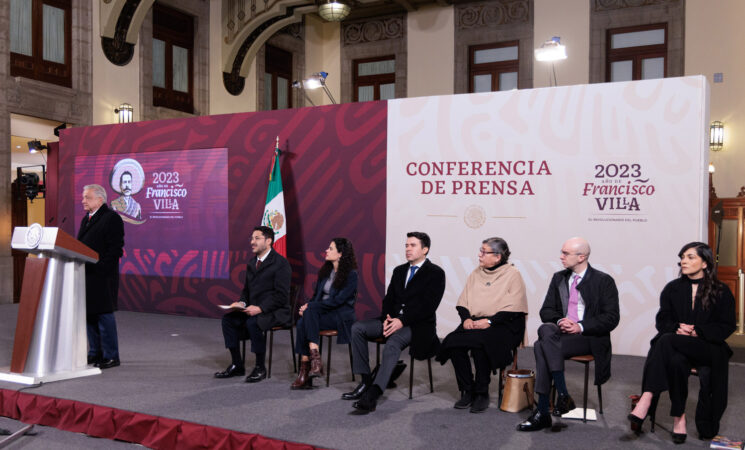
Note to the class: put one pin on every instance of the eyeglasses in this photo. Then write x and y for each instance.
(482, 252)
(563, 253)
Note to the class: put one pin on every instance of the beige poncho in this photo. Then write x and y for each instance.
(488, 292)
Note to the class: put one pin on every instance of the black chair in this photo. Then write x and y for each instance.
(330, 334)
(291, 328)
(586, 360)
(381, 340)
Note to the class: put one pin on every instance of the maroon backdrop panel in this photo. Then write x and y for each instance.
(333, 172)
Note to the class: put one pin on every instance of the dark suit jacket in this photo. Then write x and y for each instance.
(420, 297)
(598, 291)
(269, 289)
(104, 233)
(339, 305)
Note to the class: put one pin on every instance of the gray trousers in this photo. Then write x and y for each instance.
(365, 330)
(551, 349)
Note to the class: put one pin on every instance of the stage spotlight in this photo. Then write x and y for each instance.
(318, 80)
(298, 85)
(551, 50)
(36, 146)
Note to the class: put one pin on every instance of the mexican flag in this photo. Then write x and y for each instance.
(274, 211)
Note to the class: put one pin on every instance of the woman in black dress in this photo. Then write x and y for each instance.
(697, 314)
(492, 310)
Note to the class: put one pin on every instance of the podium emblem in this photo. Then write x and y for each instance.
(33, 235)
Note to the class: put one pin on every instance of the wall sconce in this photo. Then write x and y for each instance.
(333, 10)
(124, 112)
(716, 136)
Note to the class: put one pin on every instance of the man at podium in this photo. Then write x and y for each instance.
(102, 230)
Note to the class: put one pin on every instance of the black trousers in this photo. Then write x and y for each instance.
(310, 325)
(464, 375)
(669, 364)
(236, 325)
(551, 349)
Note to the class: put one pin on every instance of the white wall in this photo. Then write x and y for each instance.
(714, 36)
(112, 84)
(323, 53)
(570, 20)
(221, 101)
(431, 51)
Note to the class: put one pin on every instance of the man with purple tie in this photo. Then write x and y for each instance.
(579, 312)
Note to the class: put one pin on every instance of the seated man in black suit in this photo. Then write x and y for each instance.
(264, 303)
(578, 314)
(408, 318)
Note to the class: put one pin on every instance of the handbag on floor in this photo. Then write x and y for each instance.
(519, 386)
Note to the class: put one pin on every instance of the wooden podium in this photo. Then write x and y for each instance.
(50, 340)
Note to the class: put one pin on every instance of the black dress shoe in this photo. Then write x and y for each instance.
(256, 375)
(94, 360)
(537, 421)
(480, 403)
(466, 398)
(231, 371)
(356, 394)
(369, 400)
(108, 363)
(563, 405)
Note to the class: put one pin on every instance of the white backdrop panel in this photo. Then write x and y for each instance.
(621, 164)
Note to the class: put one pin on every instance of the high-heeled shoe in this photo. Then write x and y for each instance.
(636, 422)
(678, 438)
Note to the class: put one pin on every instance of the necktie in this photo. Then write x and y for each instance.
(258, 264)
(411, 274)
(573, 301)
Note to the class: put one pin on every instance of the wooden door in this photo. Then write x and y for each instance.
(731, 244)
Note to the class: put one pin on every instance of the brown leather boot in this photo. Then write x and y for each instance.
(316, 366)
(303, 381)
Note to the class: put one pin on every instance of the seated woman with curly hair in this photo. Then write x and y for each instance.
(331, 308)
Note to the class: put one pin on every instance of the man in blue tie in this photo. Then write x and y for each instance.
(408, 318)
(578, 314)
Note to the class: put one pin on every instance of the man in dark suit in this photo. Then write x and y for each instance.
(102, 230)
(264, 303)
(579, 312)
(408, 318)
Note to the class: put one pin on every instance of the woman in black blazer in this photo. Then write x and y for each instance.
(331, 308)
(697, 314)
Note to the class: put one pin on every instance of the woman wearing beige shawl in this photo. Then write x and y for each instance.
(492, 310)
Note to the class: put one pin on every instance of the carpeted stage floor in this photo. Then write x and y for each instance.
(168, 362)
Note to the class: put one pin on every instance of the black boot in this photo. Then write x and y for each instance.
(466, 398)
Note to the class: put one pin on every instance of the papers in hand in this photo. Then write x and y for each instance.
(231, 307)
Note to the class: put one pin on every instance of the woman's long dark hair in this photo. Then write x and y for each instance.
(709, 289)
(347, 263)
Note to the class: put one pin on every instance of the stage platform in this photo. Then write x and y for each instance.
(168, 362)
